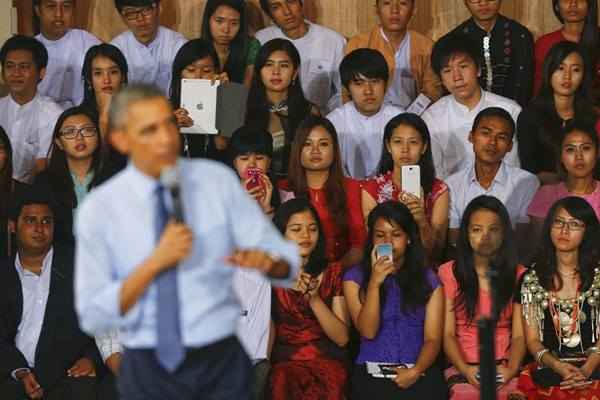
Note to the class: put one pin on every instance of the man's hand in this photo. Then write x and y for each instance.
(114, 363)
(174, 246)
(31, 385)
(82, 367)
(257, 259)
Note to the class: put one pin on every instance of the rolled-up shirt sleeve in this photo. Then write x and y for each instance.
(108, 344)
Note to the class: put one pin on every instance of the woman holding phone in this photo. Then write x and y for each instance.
(406, 142)
(311, 319)
(396, 304)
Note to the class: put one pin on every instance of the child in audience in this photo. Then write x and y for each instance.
(455, 58)
(66, 48)
(276, 102)
(148, 47)
(406, 142)
(321, 49)
(196, 60)
(406, 51)
(564, 96)
(360, 122)
(578, 159)
(397, 306)
(225, 28)
(559, 302)
(311, 319)
(316, 174)
(486, 241)
(579, 19)
(27, 117)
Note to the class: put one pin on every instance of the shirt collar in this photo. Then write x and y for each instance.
(46, 264)
(463, 109)
(153, 44)
(144, 185)
(501, 175)
(402, 43)
(362, 117)
(86, 181)
(25, 106)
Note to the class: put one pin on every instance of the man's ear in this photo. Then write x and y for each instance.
(36, 10)
(42, 73)
(471, 136)
(119, 140)
(12, 226)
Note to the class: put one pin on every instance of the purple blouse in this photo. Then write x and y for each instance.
(400, 335)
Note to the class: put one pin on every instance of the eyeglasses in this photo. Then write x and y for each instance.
(572, 224)
(84, 131)
(132, 15)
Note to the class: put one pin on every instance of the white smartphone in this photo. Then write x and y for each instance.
(385, 250)
(411, 179)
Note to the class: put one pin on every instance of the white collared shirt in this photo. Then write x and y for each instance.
(450, 123)
(403, 89)
(514, 187)
(151, 64)
(63, 81)
(35, 291)
(361, 138)
(254, 293)
(29, 128)
(321, 52)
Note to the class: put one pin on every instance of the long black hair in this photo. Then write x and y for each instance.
(101, 50)
(590, 36)
(505, 261)
(238, 48)
(317, 261)
(412, 275)
(546, 265)
(57, 173)
(386, 164)
(189, 53)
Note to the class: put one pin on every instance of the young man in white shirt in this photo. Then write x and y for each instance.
(492, 139)
(27, 117)
(148, 47)
(360, 123)
(321, 50)
(456, 60)
(66, 51)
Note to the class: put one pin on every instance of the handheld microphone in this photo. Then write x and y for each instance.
(169, 178)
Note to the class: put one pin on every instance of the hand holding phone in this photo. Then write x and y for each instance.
(253, 175)
(411, 180)
(385, 250)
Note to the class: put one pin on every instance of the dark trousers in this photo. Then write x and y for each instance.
(66, 389)
(431, 386)
(220, 371)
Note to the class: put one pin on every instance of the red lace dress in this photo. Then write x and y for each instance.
(306, 364)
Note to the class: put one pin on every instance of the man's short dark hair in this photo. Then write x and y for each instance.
(26, 195)
(496, 112)
(365, 62)
(120, 4)
(450, 46)
(264, 4)
(22, 42)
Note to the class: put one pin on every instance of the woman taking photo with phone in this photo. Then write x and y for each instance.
(406, 141)
(560, 303)
(486, 242)
(311, 319)
(397, 305)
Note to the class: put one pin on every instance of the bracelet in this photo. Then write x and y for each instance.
(540, 354)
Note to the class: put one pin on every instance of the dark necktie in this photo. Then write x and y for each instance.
(169, 350)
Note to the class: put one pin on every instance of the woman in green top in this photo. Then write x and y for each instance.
(225, 27)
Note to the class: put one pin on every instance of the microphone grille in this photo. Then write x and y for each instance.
(169, 177)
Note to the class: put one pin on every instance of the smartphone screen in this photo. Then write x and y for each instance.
(385, 250)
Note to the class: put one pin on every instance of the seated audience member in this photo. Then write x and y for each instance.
(486, 237)
(148, 47)
(406, 51)
(225, 28)
(505, 47)
(7, 188)
(456, 60)
(560, 307)
(27, 117)
(406, 142)
(250, 154)
(43, 352)
(311, 319)
(73, 167)
(316, 174)
(276, 102)
(397, 306)
(578, 159)
(196, 60)
(579, 19)
(104, 73)
(492, 138)
(564, 96)
(321, 49)
(66, 47)
(360, 122)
